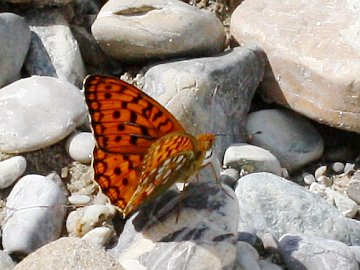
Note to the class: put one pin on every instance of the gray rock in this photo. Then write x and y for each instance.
(251, 159)
(247, 257)
(140, 30)
(290, 137)
(40, 3)
(37, 112)
(10, 170)
(313, 253)
(211, 94)
(14, 43)
(281, 207)
(6, 262)
(53, 51)
(69, 253)
(35, 214)
(229, 176)
(353, 191)
(194, 231)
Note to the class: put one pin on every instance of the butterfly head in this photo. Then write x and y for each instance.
(206, 141)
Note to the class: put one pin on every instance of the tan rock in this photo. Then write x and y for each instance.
(313, 49)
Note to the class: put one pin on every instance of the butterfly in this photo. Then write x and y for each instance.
(141, 149)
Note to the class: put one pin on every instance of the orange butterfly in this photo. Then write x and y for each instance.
(141, 148)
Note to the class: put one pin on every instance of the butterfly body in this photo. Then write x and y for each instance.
(141, 148)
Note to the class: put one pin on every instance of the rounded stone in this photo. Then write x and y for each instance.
(250, 158)
(338, 167)
(99, 236)
(308, 178)
(80, 147)
(139, 30)
(35, 215)
(14, 43)
(320, 171)
(290, 137)
(324, 180)
(353, 191)
(37, 112)
(11, 169)
(78, 200)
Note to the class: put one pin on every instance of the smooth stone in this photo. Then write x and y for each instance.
(266, 265)
(313, 253)
(6, 262)
(349, 167)
(290, 137)
(308, 178)
(229, 176)
(286, 207)
(35, 214)
(346, 206)
(303, 71)
(37, 112)
(80, 147)
(269, 242)
(250, 158)
(51, 40)
(325, 181)
(83, 220)
(148, 29)
(338, 167)
(78, 199)
(69, 253)
(247, 257)
(353, 191)
(285, 173)
(203, 224)
(198, 94)
(99, 236)
(356, 251)
(14, 43)
(11, 169)
(320, 171)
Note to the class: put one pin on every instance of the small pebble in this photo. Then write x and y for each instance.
(324, 180)
(229, 176)
(285, 173)
(308, 178)
(320, 171)
(269, 242)
(348, 167)
(338, 167)
(99, 236)
(11, 169)
(353, 192)
(79, 200)
(80, 147)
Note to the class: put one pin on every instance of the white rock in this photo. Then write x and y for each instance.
(251, 159)
(338, 167)
(77, 199)
(290, 137)
(37, 112)
(349, 167)
(308, 178)
(345, 205)
(138, 30)
(85, 219)
(99, 236)
(320, 171)
(247, 256)
(35, 214)
(6, 262)
(324, 180)
(80, 147)
(11, 169)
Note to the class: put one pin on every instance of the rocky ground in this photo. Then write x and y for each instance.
(279, 81)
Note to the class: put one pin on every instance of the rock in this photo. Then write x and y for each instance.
(247, 257)
(79, 200)
(84, 219)
(251, 159)
(338, 167)
(14, 43)
(325, 181)
(147, 29)
(313, 253)
(308, 178)
(37, 112)
(196, 232)
(345, 205)
(229, 176)
(199, 93)
(349, 167)
(266, 265)
(35, 214)
(6, 262)
(99, 236)
(299, 41)
(281, 207)
(320, 171)
(51, 40)
(10, 170)
(69, 253)
(80, 146)
(353, 191)
(290, 137)
(40, 3)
